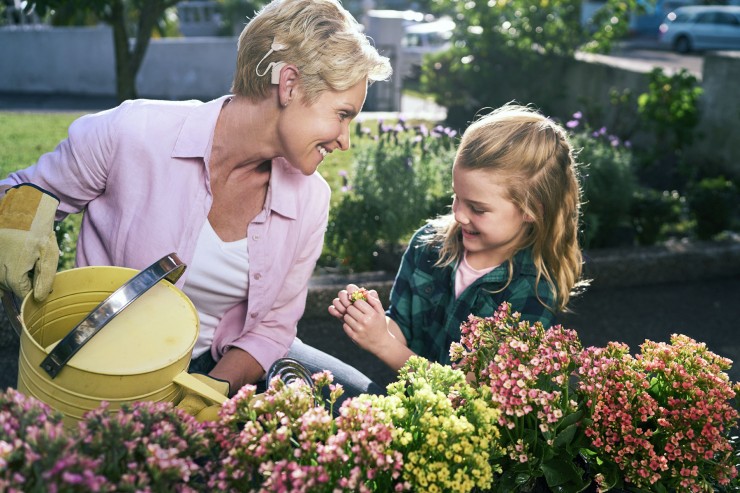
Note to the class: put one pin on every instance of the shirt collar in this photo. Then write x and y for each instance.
(523, 262)
(197, 130)
(283, 196)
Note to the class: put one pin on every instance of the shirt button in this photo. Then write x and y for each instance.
(255, 237)
(253, 314)
(428, 289)
(258, 276)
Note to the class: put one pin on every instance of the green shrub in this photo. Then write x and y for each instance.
(398, 180)
(66, 233)
(609, 182)
(670, 107)
(653, 213)
(712, 202)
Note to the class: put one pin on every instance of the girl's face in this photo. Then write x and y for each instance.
(309, 133)
(491, 223)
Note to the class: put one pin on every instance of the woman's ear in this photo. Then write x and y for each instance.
(288, 82)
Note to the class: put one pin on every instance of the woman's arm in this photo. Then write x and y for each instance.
(237, 367)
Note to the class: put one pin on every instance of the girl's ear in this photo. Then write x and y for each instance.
(528, 218)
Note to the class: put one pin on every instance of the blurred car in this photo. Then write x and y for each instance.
(420, 38)
(694, 28)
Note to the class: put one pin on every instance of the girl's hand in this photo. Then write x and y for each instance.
(338, 308)
(366, 324)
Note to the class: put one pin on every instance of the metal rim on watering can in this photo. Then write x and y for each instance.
(169, 267)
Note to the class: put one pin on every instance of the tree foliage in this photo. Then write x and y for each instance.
(534, 36)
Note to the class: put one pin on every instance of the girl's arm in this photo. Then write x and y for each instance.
(367, 325)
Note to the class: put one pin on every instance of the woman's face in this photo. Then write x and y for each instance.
(491, 223)
(309, 133)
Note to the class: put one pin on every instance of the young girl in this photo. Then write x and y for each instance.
(511, 236)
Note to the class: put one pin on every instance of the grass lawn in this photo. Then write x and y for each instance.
(26, 136)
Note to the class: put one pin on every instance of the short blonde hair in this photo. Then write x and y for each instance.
(534, 157)
(321, 38)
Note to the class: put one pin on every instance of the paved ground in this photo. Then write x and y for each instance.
(707, 310)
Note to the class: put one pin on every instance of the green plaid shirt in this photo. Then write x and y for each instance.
(423, 300)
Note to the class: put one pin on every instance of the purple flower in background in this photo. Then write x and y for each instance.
(572, 124)
(423, 130)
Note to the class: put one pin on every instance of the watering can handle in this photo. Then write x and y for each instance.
(168, 267)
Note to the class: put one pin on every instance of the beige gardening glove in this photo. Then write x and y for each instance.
(197, 406)
(27, 241)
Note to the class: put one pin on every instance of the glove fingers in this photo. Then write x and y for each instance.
(191, 404)
(46, 269)
(209, 413)
(20, 284)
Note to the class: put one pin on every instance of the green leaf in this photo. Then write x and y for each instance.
(565, 437)
(571, 418)
(560, 472)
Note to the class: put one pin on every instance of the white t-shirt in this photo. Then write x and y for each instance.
(218, 279)
(466, 275)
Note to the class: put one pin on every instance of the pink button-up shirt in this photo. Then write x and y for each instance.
(140, 173)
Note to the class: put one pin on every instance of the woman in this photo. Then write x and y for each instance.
(230, 185)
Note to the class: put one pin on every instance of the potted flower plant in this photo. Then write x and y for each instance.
(528, 370)
(444, 428)
(286, 439)
(660, 421)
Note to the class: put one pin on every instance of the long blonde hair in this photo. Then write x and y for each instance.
(536, 161)
(319, 36)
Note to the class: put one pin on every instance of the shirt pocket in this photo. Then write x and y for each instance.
(426, 289)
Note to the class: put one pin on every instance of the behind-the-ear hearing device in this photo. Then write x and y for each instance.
(275, 76)
(273, 66)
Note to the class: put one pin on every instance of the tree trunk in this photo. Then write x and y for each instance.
(128, 56)
(125, 72)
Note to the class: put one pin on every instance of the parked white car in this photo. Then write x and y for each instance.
(695, 28)
(420, 38)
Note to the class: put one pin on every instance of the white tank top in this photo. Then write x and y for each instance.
(466, 275)
(218, 279)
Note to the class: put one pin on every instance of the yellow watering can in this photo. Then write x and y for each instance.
(140, 353)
